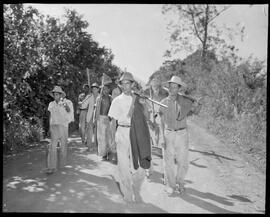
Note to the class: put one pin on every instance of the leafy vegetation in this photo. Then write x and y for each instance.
(40, 52)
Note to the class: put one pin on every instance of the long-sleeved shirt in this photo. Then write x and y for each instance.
(59, 115)
(175, 115)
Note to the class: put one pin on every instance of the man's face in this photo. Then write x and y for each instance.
(95, 90)
(57, 96)
(106, 89)
(86, 89)
(174, 89)
(155, 84)
(126, 86)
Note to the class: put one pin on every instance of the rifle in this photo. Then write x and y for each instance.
(147, 98)
(181, 94)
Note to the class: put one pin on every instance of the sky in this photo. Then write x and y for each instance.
(137, 34)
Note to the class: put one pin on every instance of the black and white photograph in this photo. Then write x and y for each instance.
(134, 108)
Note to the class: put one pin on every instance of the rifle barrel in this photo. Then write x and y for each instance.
(154, 101)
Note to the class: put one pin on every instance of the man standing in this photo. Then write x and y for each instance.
(130, 178)
(103, 122)
(61, 114)
(90, 119)
(157, 93)
(174, 136)
(83, 103)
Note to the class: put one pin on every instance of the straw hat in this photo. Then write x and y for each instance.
(177, 80)
(127, 76)
(57, 89)
(95, 85)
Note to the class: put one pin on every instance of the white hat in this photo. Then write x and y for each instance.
(177, 80)
(57, 89)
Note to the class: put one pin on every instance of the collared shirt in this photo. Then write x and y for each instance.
(120, 108)
(84, 101)
(176, 113)
(59, 115)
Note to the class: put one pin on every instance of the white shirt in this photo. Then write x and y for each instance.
(59, 115)
(120, 107)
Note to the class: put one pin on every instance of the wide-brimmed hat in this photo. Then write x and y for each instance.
(126, 76)
(57, 89)
(177, 80)
(95, 85)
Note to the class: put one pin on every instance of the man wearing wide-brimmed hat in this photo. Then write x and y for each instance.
(123, 107)
(90, 124)
(174, 136)
(83, 103)
(61, 114)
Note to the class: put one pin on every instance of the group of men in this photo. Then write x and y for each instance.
(131, 123)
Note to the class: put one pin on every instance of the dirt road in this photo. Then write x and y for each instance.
(218, 181)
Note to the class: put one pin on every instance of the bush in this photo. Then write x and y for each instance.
(18, 132)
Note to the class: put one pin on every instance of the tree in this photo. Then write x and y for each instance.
(194, 28)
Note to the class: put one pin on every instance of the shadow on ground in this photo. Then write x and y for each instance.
(75, 188)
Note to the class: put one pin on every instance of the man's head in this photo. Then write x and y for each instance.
(155, 83)
(175, 85)
(106, 89)
(95, 88)
(86, 88)
(126, 82)
(57, 93)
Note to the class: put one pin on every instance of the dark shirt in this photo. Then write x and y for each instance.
(105, 104)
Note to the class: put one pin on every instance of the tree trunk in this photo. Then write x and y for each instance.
(205, 33)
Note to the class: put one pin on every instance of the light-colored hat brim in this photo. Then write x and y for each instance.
(179, 83)
(51, 93)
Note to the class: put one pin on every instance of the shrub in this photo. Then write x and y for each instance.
(18, 132)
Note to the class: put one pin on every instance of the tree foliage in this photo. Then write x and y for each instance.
(40, 52)
(192, 27)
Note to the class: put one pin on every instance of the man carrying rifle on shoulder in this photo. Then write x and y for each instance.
(174, 134)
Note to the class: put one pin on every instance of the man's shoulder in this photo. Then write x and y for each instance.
(164, 100)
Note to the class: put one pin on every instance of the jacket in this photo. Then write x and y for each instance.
(140, 137)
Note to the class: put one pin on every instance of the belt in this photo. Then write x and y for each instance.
(176, 129)
(123, 125)
(84, 109)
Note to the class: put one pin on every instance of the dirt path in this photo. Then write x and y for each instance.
(218, 181)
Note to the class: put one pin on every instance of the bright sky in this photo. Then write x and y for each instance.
(137, 33)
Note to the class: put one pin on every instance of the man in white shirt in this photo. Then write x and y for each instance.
(129, 179)
(61, 114)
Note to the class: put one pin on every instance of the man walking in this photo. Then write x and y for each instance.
(121, 111)
(61, 114)
(83, 103)
(174, 135)
(90, 119)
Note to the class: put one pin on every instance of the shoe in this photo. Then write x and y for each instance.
(180, 189)
(169, 190)
(104, 158)
(50, 171)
